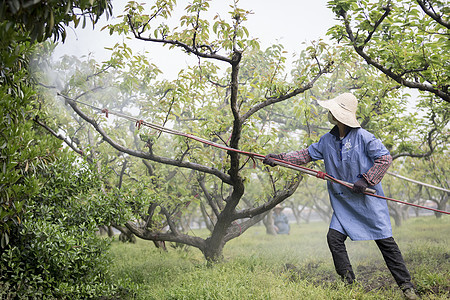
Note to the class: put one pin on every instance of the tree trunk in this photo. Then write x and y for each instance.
(268, 223)
(442, 205)
(396, 213)
(397, 219)
(308, 215)
(126, 236)
(213, 252)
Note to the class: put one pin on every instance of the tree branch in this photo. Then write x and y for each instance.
(239, 228)
(432, 14)
(122, 172)
(169, 219)
(170, 237)
(187, 48)
(59, 136)
(276, 199)
(208, 196)
(419, 155)
(273, 100)
(387, 10)
(145, 155)
(397, 77)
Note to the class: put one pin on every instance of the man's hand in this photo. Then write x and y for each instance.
(268, 159)
(360, 186)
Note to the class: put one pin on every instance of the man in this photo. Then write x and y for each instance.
(352, 154)
(280, 220)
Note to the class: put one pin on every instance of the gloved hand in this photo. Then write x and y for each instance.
(268, 159)
(360, 185)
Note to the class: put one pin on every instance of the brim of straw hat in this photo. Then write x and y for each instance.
(341, 113)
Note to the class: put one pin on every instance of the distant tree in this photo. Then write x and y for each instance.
(437, 172)
(428, 176)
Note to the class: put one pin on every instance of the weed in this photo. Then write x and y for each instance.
(296, 266)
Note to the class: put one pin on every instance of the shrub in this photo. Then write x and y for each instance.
(55, 251)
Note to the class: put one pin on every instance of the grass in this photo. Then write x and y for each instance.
(298, 266)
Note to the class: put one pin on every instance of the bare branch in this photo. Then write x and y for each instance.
(239, 228)
(170, 221)
(122, 172)
(150, 213)
(142, 233)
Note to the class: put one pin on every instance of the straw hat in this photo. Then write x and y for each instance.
(343, 108)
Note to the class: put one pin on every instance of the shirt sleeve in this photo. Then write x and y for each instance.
(374, 175)
(299, 157)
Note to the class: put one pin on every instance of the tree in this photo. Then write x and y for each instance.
(41, 20)
(119, 173)
(55, 251)
(44, 254)
(405, 40)
(437, 172)
(21, 24)
(199, 97)
(238, 109)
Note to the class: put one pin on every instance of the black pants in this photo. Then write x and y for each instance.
(388, 247)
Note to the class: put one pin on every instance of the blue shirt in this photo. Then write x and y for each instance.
(281, 221)
(359, 216)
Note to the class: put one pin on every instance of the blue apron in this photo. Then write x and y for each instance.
(359, 216)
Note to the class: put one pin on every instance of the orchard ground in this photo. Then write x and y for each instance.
(297, 266)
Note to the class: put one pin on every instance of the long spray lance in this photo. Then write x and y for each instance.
(318, 174)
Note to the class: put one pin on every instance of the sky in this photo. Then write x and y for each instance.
(289, 22)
